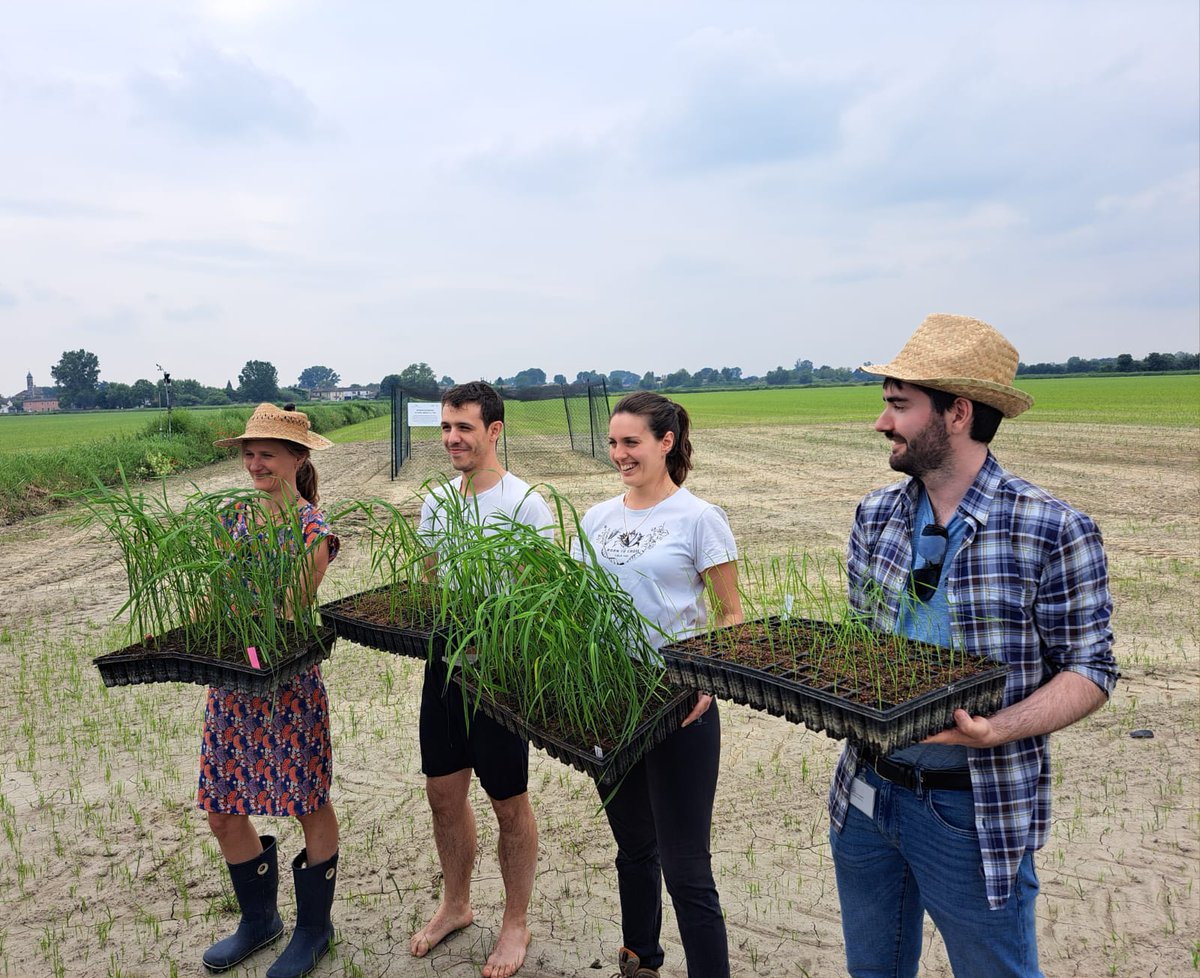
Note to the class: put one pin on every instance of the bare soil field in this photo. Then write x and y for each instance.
(107, 867)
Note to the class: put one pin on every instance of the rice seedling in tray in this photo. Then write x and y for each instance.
(205, 606)
(556, 650)
(832, 674)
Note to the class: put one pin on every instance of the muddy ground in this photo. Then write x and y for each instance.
(106, 867)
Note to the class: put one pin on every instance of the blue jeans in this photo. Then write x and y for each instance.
(661, 818)
(921, 853)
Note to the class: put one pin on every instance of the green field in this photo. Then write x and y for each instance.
(41, 432)
(374, 429)
(1166, 400)
(1171, 400)
(46, 457)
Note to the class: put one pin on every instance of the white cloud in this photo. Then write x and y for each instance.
(216, 94)
(240, 12)
(1180, 192)
(490, 187)
(200, 312)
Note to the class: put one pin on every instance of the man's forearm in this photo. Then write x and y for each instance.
(1066, 698)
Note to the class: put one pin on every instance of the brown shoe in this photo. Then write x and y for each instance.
(630, 966)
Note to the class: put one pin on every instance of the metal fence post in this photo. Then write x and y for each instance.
(591, 419)
(405, 427)
(567, 411)
(394, 433)
(503, 431)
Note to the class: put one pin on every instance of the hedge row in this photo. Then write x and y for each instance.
(35, 482)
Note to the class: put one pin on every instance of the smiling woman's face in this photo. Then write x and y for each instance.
(271, 464)
(638, 455)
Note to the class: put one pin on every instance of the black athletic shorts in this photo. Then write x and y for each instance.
(499, 757)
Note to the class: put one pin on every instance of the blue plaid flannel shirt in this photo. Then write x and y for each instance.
(1028, 586)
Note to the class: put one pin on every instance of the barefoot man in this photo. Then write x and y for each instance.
(472, 419)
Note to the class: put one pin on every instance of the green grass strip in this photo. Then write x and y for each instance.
(32, 480)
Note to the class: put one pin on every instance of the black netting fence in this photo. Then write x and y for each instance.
(401, 433)
(587, 411)
(553, 423)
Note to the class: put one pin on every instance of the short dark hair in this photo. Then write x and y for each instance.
(491, 405)
(985, 419)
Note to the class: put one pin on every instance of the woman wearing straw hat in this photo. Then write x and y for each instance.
(964, 554)
(271, 755)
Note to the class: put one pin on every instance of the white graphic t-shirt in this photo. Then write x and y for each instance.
(659, 554)
(510, 497)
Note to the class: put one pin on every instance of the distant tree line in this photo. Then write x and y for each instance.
(804, 373)
(78, 385)
(1122, 364)
(627, 380)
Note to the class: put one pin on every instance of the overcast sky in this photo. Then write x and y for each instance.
(627, 185)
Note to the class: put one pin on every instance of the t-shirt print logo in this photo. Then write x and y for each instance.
(621, 547)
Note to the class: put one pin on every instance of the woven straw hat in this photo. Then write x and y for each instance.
(269, 421)
(963, 356)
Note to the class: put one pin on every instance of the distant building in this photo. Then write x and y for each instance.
(36, 399)
(362, 392)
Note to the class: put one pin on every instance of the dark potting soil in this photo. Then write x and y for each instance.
(376, 607)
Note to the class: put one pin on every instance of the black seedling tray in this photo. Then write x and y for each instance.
(418, 643)
(785, 689)
(144, 663)
(603, 767)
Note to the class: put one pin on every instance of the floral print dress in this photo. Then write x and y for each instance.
(269, 755)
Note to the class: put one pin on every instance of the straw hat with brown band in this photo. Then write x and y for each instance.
(963, 356)
(282, 424)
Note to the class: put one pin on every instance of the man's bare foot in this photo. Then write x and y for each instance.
(509, 953)
(442, 924)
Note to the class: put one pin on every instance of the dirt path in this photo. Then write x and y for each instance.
(106, 868)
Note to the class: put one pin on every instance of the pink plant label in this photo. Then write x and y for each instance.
(253, 653)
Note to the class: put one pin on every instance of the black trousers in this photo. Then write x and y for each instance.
(661, 818)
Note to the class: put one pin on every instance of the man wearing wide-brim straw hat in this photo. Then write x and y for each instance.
(961, 356)
(965, 554)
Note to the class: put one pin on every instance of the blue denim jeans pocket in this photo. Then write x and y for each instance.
(953, 811)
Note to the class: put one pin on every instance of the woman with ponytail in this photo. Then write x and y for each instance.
(271, 755)
(668, 549)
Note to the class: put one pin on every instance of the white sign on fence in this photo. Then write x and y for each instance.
(424, 414)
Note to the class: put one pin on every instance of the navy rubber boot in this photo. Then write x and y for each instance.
(314, 929)
(256, 885)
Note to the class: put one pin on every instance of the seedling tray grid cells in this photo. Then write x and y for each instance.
(349, 619)
(779, 679)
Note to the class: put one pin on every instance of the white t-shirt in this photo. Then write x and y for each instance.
(658, 555)
(510, 497)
